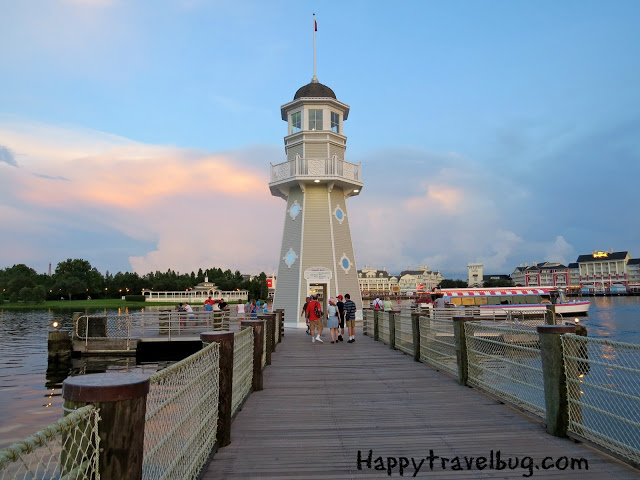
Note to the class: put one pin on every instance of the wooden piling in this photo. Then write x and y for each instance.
(281, 311)
(225, 382)
(461, 348)
(415, 330)
(258, 344)
(59, 346)
(392, 326)
(555, 380)
(122, 400)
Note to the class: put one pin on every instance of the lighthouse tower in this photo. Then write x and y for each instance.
(317, 253)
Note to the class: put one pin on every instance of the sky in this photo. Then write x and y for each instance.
(139, 135)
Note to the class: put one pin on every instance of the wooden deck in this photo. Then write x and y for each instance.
(323, 403)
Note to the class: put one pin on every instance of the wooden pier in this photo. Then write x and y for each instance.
(322, 404)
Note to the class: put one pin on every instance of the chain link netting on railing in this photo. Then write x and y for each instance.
(403, 333)
(383, 327)
(506, 362)
(242, 367)
(603, 379)
(182, 416)
(68, 448)
(264, 344)
(367, 322)
(438, 345)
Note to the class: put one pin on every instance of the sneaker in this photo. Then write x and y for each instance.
(308, 332)
(332, 341)
(340, 337)
(319, 339)
(353, 340)
(350, 341)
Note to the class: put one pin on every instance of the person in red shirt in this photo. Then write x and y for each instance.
(315, 321)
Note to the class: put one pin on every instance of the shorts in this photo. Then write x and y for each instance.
(341, 323)
(351, 323)
(316, 323)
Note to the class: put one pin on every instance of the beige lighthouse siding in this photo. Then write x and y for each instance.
(287, 292)
(316, 150)
(317, 251)
(347, 282)
(293, 151)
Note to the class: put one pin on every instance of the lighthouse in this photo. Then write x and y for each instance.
(316, 256)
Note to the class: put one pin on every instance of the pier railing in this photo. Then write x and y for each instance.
(126, 425)
(603, 392)
(582, 387)
(67, 448)
(167, 325)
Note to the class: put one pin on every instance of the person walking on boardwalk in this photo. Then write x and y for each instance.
(332, 320)
(253, 309)
(314, 310)
(340, 306)
(350, 317)
(306, 315)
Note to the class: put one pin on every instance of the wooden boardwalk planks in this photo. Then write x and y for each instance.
(323, 403)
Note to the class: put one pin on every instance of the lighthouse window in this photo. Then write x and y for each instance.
(335, 122)
(296, 122)
(315, 119)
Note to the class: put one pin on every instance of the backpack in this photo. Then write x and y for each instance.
(317, 310)
(377, 305)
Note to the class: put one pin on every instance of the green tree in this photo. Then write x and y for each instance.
(38, 294)
(449, 283)
(498, 282)
(25, 294)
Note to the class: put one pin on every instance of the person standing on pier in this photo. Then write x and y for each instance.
(332, 320)
(315, 320)
(340, 305)
(208, 304)
(306, 315)
(387, 304)
(350, 317)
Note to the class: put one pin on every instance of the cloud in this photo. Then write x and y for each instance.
(7, 157)
(197, 209)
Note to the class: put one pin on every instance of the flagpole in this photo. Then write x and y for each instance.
(315, 79)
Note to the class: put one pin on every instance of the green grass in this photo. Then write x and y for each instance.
(108, 303)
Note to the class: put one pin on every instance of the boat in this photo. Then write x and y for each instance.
(492, 300)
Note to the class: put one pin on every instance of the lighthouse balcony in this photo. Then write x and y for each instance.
(311, 169)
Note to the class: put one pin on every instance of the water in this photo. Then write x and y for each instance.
(30, 394)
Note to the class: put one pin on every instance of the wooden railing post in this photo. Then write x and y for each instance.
(122, 400)
(258, 344)
(281, 321)
(376, 326)
(225, 382)
(461, 348)
(555, 380)
(268, 324)
(415, 330)
(550, 315)
(392, 327)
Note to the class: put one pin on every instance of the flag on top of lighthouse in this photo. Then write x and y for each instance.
(315, 24)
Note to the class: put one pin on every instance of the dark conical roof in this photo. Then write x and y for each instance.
(315, 89)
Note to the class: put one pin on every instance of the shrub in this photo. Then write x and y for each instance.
(134, 298)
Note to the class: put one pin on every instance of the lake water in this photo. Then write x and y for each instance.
(30, 393)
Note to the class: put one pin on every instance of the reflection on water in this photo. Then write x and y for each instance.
(30, 386)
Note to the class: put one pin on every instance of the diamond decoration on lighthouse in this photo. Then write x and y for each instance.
(294, 211)
(339, 214)
(345, 263)
(290, 257)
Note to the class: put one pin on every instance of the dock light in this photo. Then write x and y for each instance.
(576, 321)
(356, 191)
(55, 324)
(316, 181)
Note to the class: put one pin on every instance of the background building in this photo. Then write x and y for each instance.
(377, 282)
(475, 271)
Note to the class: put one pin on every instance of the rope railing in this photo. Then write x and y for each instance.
(383, 327)
(181, 418)
(367, 322)
(403, 333)
(242, 367)
(506, 362)
(437, 344)
(68, 448)
(602, 392)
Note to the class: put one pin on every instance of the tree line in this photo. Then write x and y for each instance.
(76, 279)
